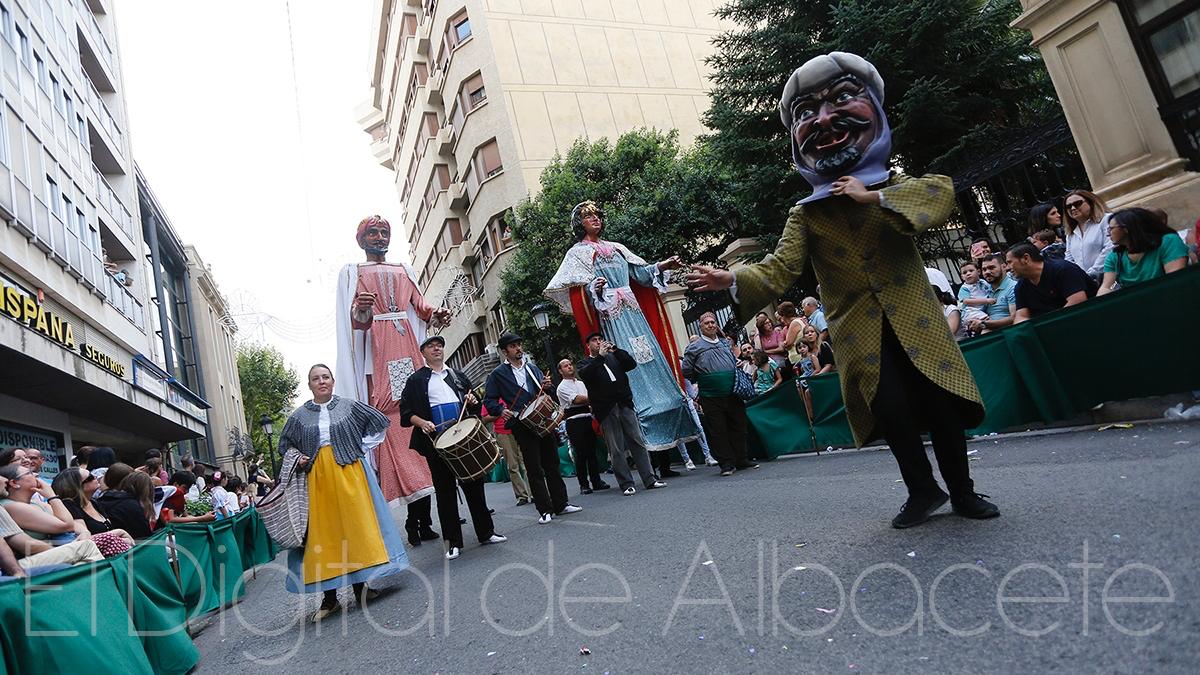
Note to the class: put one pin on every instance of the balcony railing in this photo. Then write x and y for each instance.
(117, 295)
(88, 18)
(113, 206)
(107, 120)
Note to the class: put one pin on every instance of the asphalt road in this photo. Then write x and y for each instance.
(805, 576)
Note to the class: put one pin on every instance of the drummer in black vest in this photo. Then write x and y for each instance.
(520, 383)
(432, 401)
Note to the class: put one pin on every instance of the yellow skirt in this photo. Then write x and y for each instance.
(343, 530)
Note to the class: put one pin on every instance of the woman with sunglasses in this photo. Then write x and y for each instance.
(1087, 232)
(74, 485)
(1144, 248)
(49, 521)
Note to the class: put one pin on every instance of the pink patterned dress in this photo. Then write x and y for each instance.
(395, 355)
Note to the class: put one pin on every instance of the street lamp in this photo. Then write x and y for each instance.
(541, 319)
(268, 428)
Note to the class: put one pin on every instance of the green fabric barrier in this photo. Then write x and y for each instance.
(128, 613)
(776, 429)
(1052, 367)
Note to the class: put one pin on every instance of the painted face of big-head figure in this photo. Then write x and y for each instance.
(374, 235)
(833, 126)
(832, 107)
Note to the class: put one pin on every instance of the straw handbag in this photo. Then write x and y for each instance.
(284, 510)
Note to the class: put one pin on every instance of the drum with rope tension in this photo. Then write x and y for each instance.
(468, 449)
(542, 416)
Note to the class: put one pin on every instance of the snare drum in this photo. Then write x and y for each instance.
(542, 416)
(468, 449)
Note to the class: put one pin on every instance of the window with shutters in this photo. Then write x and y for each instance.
(473, 92)
(487, 160)
(458, 29)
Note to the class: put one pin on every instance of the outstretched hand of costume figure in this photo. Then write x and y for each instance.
(854, 189)
(706, 278)
(440, 317)
(672, 263)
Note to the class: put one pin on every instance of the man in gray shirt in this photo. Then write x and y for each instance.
(710, 363)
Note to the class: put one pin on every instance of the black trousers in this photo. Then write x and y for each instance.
(541, 464)
(418, 514)
(725, 426)
(444, 484)
(583, 440)
(908, 403)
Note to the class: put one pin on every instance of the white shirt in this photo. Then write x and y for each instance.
(323, 425)
(193, 492)
(520, 374)
(567, 390)
(1089, 245)
(439, 391)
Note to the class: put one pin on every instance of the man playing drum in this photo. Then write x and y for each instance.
(522, 384)
(432, 402)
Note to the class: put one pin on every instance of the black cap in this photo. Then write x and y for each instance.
(431, 339)
(507, 338)
(593, 334)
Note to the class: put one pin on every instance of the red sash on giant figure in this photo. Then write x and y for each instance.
(652, 307)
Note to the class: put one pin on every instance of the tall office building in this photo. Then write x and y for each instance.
(96, 339)
(471, 99)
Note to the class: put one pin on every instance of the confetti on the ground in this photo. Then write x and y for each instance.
(707, 562)
(1123, 425)
(1182, 442)
(978, 562)
(912, 554)
(802, 544)
(829, 639)
(826, 611)
(898, 480)
(491, 653)
(752, 650)
(973, 459)
(584, 651)
(799, 568)
(701, 637)
(972, 452)
(785, 648)
(1117, 537)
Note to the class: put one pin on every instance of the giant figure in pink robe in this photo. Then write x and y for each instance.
(382, 317)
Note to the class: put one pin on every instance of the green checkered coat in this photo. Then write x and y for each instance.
(868, 266)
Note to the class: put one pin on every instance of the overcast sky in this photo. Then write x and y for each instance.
(269, 199)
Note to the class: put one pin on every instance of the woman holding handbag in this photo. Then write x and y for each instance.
(351, 538)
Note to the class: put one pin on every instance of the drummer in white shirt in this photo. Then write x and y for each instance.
(432, 402)
(573, 397)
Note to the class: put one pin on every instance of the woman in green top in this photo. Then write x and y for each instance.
(1145, 248)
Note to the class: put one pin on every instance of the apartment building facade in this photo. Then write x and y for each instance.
(96, 345)
(472, 99)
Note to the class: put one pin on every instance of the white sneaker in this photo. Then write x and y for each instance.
(629, 492)
(656, 484)
(543, 519)
(570, 508)
(495, 539)
(689, 465)
(710, 461)
(453, 553)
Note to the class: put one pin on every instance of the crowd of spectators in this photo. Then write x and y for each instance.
(99, 507)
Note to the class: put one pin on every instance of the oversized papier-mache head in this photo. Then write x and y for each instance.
(374, 235)
(832, 107)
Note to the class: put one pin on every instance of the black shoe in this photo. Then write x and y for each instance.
(747, 465)
(600, 485)
(414, 535)
(585, 491)
(727, 471)
(918, 510)
(667, 473)
(521, 501)
(428, 534)
(973, 505)
(491, 512)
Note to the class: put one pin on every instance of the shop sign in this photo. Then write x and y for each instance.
(148, 380)
(103, 360)
(48, 442)
(178, 400)
(25, 309)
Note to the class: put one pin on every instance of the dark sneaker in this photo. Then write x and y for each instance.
(601, 485)
(918, 509)
(585, 491)
(727, 472)
(973, 505)
(746, 466)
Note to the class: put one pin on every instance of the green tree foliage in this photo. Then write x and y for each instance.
(958, 83)
(659, 200)
(268, 387)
